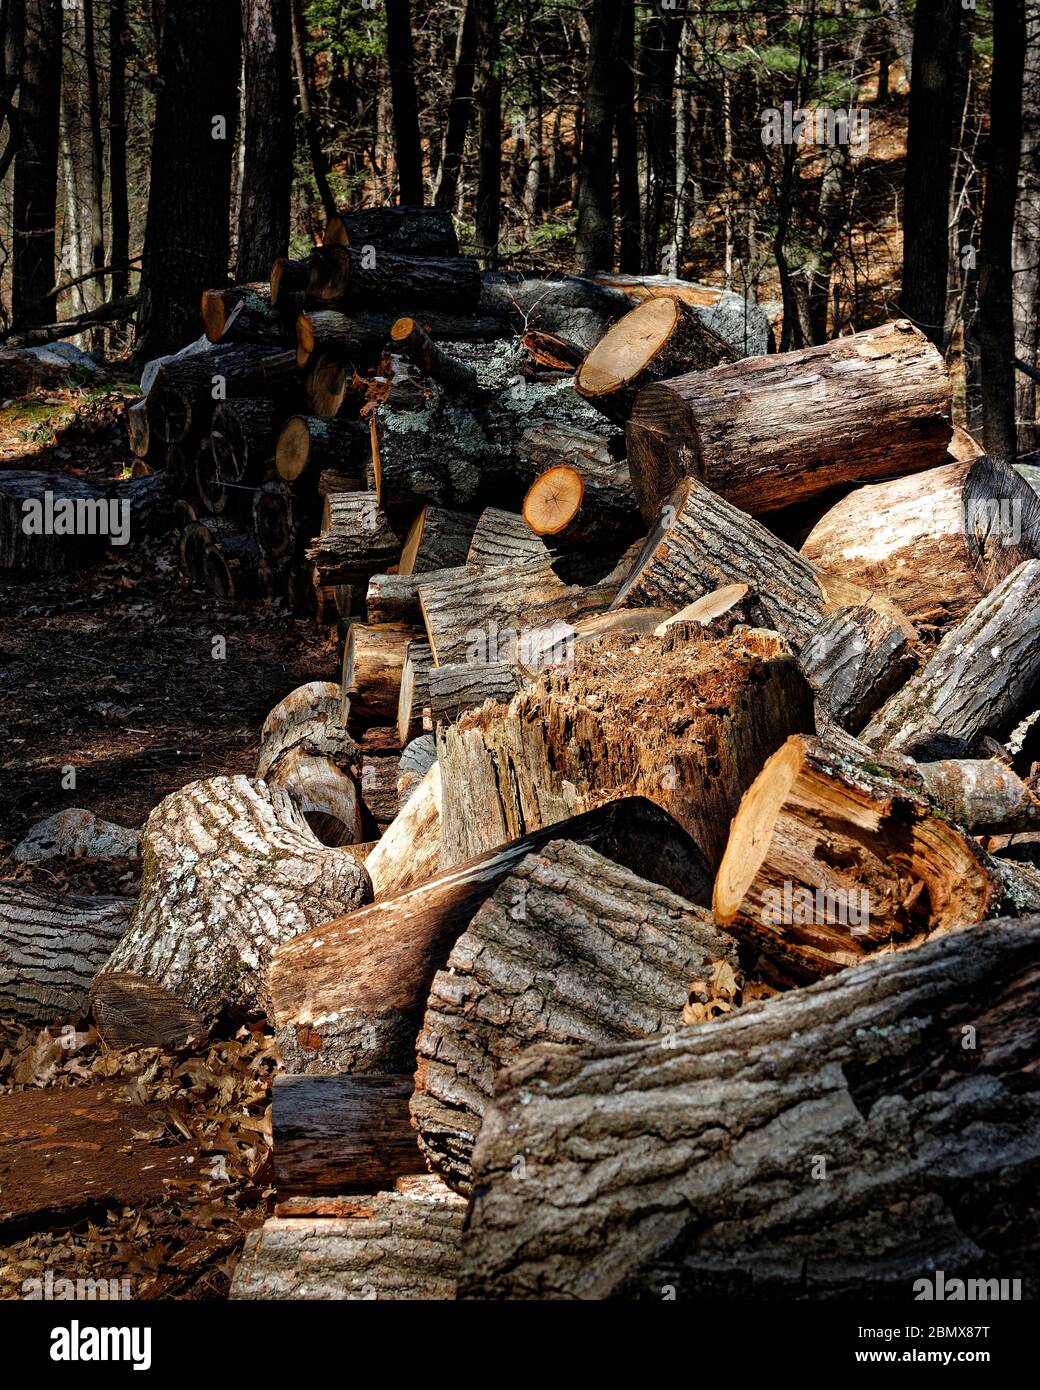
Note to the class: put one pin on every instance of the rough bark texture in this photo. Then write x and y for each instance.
(181, 401)
(503, 538)
(455, 688)
(413, 342)
(51, 948)
(346, 276)
(373, 661)
(687, 724)
(231, 870)
(437, 539)
(768, 431)
(356, 542)
(268, 141)
(350, 995)
(584, 496)
(407, 231)
(308, 719)
(52, 523)
(854, 660)
(766, 1155)
(414, 698)
(982, 794)
(569, 948)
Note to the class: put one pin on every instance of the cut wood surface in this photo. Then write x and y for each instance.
(935, 542)
(342, 1133)
(412, 341)
(308, 443)
(687, 724)
(408, 852)
(245, 314)
(51, 947)
(671, 1168)
(414, 697)
(570, 948)
(308, 718)
(373, 663)
(765, 432)
(349, 996)
(242, 436)
(327, 797)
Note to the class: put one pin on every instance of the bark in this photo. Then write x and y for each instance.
(734, 427)
(242, 437)
(1025, 250)
(357, 541)
(504, 538)
(687, 724)
(268, 141)
(197, 538)
(570, 948)
(624, 88)
(670, 1167)
(336, 1134)
(983, 795)
(35, 195)
(400, 1246)
(594, 240)
(408, 853)
(380, 755)
(278, 519)
(414, 699)
(245, 314)
(232, 568)
(458, 108)
(309, 444)
(416, 760)
(351, 996)
(855, 660)
(979, 682)
(373, 660)
(306, 96)
(584, 503)
(573, 307)
(437, 539)
(97, 161)
(309, 720)
(181, 401)
(346, 276)
(231, 871)
(394, 598)
(454, 688)
(406, 231)
(51, 947)
(401, 62)
(488, 102)
(415, 344)
(935, 542)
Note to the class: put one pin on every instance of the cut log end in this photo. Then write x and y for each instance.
(554, 499)
(627, 347)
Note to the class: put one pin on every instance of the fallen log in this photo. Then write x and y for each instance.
(340, 1134)
(854, 660)
(356, 541)
(242, 437)
(568, 306)
(934, 543)
(351, 995)
(408, 853)
(54, 523)
(582, 496)
(245, 314)
(671, 1168)
(414, 343)
(766, 432)
(410, 231)
(373, 663)
(309, 443)
(51, 947)
(347, 275)
(687, 724)
(181, 401)
(416, 760)
(231, 870)
(830, 860)
(983, 795)
(569, 948)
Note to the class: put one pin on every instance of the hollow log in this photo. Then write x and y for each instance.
(671, 1168)
(854, 660)
(356, 542)
(309, 444)
(413, 342)
(437, 539)
(409, 851)
(414, 693)
(327, 797)
(309, 719)
(766, 432)
(687, 724)
(350, 997)
(569, 948)
(935, 542)
(345, 276)
(181, 401)
(410, 231)
(51, 947)
(231, 870)
(373, 663)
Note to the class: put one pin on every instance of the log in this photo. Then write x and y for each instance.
(935, 542)
(197, 538)
(288, 279)
(416, 760)
(979, 682)
(308, 719)
(242, 437)
(231, 870)
(346, 276)
(830, 860)
(671, 1168)
(327, 797)
(277, 519)
(179, 466)
(983, 795)
(181, 401)
(362, 334)
(569, 306)
(410, 231)
(394, 1245)
(854, 660)
(584, 495)
(503, 538)
(466, 685)
(409, 851)
(548, 352)
(394, 598)
(232, 569)
(414, 693)
(325, 385)
(337, 1134)
(244, 314)
(570, 948)
(373, 663)
(657, 339)
(687, 724)
(766, 432)
(137, 428)
(414, 343)
(54, 523)
(311, 443)
(209, 486)
(379, 779)
(357, 540)
(351, 996)
(437, 539)
(51, 947)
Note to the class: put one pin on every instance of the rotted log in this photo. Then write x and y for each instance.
(732, 427)
(716, 614)
(356, 542)
(413, 342)
(310, 443)
(983, 794)
(408, 230)
(373, 663)
(553, 956)
(181, 401)
(345, 276)
(657, 339)
(242, 437)
(408, 852)
(437, 539)
(354, 999)
(935, 542)
(414, 691)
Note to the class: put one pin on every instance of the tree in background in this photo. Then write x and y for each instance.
(594, 242)
(407, 144)
(1025, 249)
(489, 133)
(35, 207)
(459, 109)
(267, 138)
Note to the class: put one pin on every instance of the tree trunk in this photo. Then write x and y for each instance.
(594, 239)
(769, 431)
(624, 87)
(268, 139)
(677, 1162)
(351, 996)
(553, 956)
(488, 103)
(657, 54)
(1025, 250)
(459, 108)
(52, 523)
(311, 123)
(35, 196)
(400, 60)
(97, 162)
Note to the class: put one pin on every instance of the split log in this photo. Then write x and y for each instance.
(242, 437)
(181, 401)
(409, 851)
(414, 693)
(717, 614)
(231, 870)
(854, 660)
(339, 1134)
(309, 719)
(311, 443)
(411, 231)
(331, 481)
(830, 860)
(244, 314)
(394, 1245)
(416, 760)
(935, 542)
(53, 523)
(688, 725)
(584, 495)
(51, 947)
(979, 681)
(657, 339)
(413, 342)
(373, 663)
(351, 996)
(465, 685)
(570, 948)
(765, 432)
(437, 539)
(346, 276)
(672, 1168)
(503, 538)
(983, 795)
(356, 541)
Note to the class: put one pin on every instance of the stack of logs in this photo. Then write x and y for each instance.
(681, 682)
